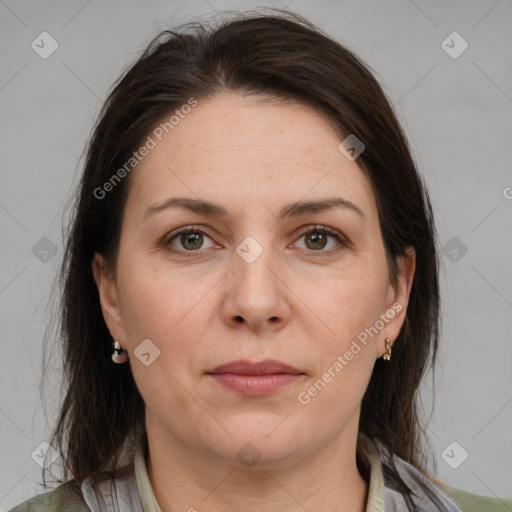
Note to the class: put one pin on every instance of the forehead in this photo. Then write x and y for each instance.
(248, 152)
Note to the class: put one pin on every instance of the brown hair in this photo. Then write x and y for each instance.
(276, 54)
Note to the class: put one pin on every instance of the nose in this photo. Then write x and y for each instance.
(256, 295)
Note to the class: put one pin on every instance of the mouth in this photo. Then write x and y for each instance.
(255, 379)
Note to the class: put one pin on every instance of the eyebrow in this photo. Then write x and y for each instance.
(296, 209)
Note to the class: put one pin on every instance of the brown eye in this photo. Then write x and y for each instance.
(315, 240)
(189, 240)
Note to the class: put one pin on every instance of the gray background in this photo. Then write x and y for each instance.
(456, 111)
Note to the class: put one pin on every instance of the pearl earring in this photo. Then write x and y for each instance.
(119, 356)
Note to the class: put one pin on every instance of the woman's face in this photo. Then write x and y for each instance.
(251, 282)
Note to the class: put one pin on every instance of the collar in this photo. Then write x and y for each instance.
(147, 498)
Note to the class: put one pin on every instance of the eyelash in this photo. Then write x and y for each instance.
(316, 229)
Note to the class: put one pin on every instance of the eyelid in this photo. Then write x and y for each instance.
(178, 231)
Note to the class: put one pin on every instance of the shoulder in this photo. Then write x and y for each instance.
(452, 498)
(67, 497)
(469, 502)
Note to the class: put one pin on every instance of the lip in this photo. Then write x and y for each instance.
(267, 367)
(255, 378)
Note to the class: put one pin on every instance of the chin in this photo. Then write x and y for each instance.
(263, 440)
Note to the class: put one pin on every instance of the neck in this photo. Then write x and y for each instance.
(184, 480)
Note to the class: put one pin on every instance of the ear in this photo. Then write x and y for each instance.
(109, 297)
(397, 298)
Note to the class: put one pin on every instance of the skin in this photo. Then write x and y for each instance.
(298, 302)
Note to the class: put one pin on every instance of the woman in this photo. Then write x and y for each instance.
(250, 286)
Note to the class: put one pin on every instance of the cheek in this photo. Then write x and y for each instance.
(350, 308)
(346, 356)
(155, 298)
(159, 306)
(347, 306)
(172, 317)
